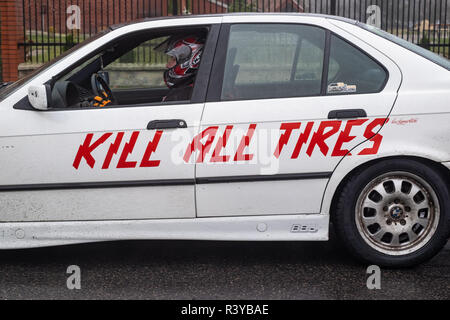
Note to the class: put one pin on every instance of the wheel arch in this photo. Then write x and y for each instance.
(329, 205)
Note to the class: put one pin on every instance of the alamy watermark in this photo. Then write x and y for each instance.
(73, 21)
(74, 278)
(374, 280)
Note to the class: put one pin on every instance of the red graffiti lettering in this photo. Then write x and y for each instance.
(319, 137)
(113, 149)
(373, 136)
(345, 137)
(85, 150)
(151, 147)
(302, 139)
(284, 138)
(196, 144)
(221, 144)
(245, 142)
(127, 149)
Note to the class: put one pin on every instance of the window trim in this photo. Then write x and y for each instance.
(201, 81)
(216, 77)
(326, 64)
(214, 92)
(24, 104)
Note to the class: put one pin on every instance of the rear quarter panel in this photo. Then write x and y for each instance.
(419, 123)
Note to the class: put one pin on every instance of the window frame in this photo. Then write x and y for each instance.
(386, 71)
(218, 67)
(201, 81)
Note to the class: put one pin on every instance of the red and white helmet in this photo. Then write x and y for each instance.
(187, 51)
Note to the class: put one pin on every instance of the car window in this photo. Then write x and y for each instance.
(273, 61)
(352, 71)
(7, 90)
(139, 68)
(80, 67)
(310, 62)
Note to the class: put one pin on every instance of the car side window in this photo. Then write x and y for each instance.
(352, 71)
(273, 61)
(310, 63)
(139, 68)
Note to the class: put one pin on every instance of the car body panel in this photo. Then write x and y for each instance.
(268, 116)
(15, 235)
(35, 145)
(418, 124)
(48, 198)
(47, 158)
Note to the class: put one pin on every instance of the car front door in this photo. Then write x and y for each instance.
(286, 102)
(110, 163)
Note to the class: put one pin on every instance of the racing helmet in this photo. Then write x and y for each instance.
(187, 52)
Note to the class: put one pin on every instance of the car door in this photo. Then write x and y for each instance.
(286, 102)
(106, 163)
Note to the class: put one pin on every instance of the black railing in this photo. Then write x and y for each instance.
(52, 26)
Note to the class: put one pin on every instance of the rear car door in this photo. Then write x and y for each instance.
(110, 163)
(286, 102)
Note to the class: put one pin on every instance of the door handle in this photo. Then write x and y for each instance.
(166, 124)
(347, 114)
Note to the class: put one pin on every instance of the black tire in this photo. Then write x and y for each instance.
(345, 215)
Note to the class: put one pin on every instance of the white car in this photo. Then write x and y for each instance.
(262, 150)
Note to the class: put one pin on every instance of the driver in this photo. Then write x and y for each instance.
(184, 59)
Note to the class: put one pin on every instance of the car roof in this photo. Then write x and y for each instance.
(316, 15)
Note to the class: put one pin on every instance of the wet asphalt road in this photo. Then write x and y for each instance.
(212, 270)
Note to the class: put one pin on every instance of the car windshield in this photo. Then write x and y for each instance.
(7, 89)
(443, 62)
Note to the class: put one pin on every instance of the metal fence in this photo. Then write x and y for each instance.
(53, 26)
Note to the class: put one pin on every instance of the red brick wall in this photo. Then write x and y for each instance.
(11, 31)
(200, 7)
(95, 14)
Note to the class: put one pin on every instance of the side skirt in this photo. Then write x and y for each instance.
(312, 227)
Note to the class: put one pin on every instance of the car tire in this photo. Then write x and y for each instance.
(407, 225)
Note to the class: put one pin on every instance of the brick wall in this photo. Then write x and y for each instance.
(11, 32)
(95, 15)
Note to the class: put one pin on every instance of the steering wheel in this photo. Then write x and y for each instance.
(101, 88)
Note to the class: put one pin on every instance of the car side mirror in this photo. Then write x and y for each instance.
(40, 96)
